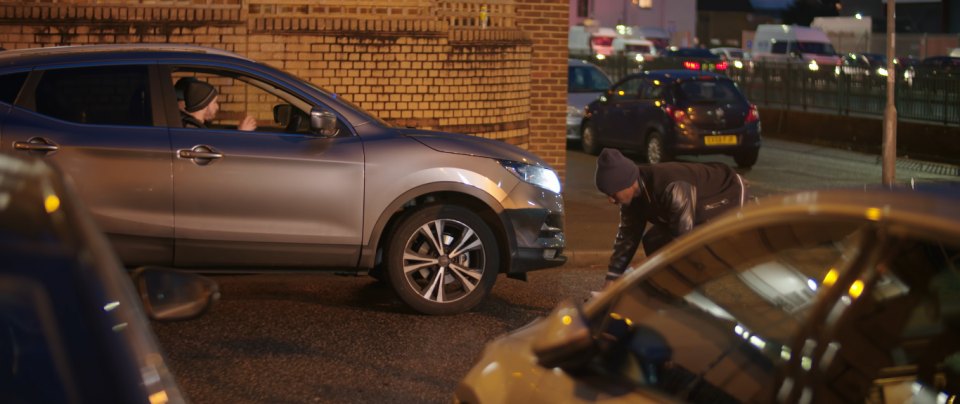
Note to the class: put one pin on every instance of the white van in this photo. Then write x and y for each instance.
(637, 49)
(792, 43)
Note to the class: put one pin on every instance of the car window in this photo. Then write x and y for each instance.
(274, 109)
(586, 79)
(627, 90)
(10, 86)
(779, 46)
(709, 91)
(712, 325)
(692, 53)
(897, 331)
(109, 95)
(651, 90)
(819, 48)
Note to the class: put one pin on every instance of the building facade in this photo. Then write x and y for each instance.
(677, 17)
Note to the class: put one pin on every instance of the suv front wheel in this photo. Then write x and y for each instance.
(442, 259)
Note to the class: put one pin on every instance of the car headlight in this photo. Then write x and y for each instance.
(574, 112)
(540, 176)
(813, 66)
(881, 71)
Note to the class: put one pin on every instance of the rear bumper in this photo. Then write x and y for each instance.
(692, 141)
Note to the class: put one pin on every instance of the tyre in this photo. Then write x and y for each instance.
(442, 260)
(746, 158)
(589, 141)
(655, 152)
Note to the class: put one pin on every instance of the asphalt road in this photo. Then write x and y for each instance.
(330, 339)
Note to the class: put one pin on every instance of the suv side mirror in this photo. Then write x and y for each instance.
(323, 123)
(171, 295)
(565, 341)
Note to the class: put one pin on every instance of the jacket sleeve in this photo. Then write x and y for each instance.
(629, 236)
(679, 198)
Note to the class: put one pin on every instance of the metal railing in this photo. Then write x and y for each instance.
(927, 95)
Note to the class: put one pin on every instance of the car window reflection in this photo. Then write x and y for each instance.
(712, 326)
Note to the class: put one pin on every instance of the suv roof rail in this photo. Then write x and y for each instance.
(128, 47)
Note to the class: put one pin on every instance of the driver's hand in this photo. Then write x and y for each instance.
(248, 123)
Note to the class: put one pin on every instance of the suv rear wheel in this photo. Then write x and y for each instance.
(442, 260)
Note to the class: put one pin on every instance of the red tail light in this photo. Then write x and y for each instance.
(678, 115)
(690, 65)
(753, 115)
(722, 66)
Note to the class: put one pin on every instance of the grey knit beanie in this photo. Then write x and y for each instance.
(615, 172)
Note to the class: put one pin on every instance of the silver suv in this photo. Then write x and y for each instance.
(319, 184)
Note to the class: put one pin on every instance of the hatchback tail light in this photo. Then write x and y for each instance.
(722, 66)
(678, 115)
(691, 65)
(753, 115)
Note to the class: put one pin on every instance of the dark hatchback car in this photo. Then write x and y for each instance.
(72, 327)
(817, 297)
(667, 113)
(319, 185)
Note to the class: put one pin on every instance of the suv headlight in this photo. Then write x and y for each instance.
(540, 176)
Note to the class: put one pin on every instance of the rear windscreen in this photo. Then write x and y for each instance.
(719, 91)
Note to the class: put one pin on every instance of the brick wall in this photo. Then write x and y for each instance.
(432, 64)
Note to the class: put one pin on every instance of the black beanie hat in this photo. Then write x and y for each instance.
(198, 96)
(615, 172)
(181, 86)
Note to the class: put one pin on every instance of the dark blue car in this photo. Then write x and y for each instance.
(73, 328)
(674, 112)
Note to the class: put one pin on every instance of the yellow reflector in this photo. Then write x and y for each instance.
(856, 289)
(831, 277)
(567, 320)
(159, 397)
(873, 214)
(51, 204)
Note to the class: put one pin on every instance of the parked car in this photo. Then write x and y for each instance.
(672, 112)
(694, 59)
(72, 326)
(320, 185)
(585, 83)
(737, 58)
(819, 297)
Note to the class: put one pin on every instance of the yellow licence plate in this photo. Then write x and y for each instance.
(720, 140)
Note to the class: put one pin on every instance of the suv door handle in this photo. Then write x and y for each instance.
(37, 144)
(200, 154)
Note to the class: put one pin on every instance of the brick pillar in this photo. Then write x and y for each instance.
(546, 24)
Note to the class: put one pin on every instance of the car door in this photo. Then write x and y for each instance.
(276, 196)
(643, 113)
(97, 123)
(615, 125)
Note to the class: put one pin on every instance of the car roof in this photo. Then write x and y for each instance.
(579, 62)
(110, 51)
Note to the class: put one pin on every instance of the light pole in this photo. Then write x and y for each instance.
(888, 170)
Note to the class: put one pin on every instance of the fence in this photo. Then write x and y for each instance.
(922, 94)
